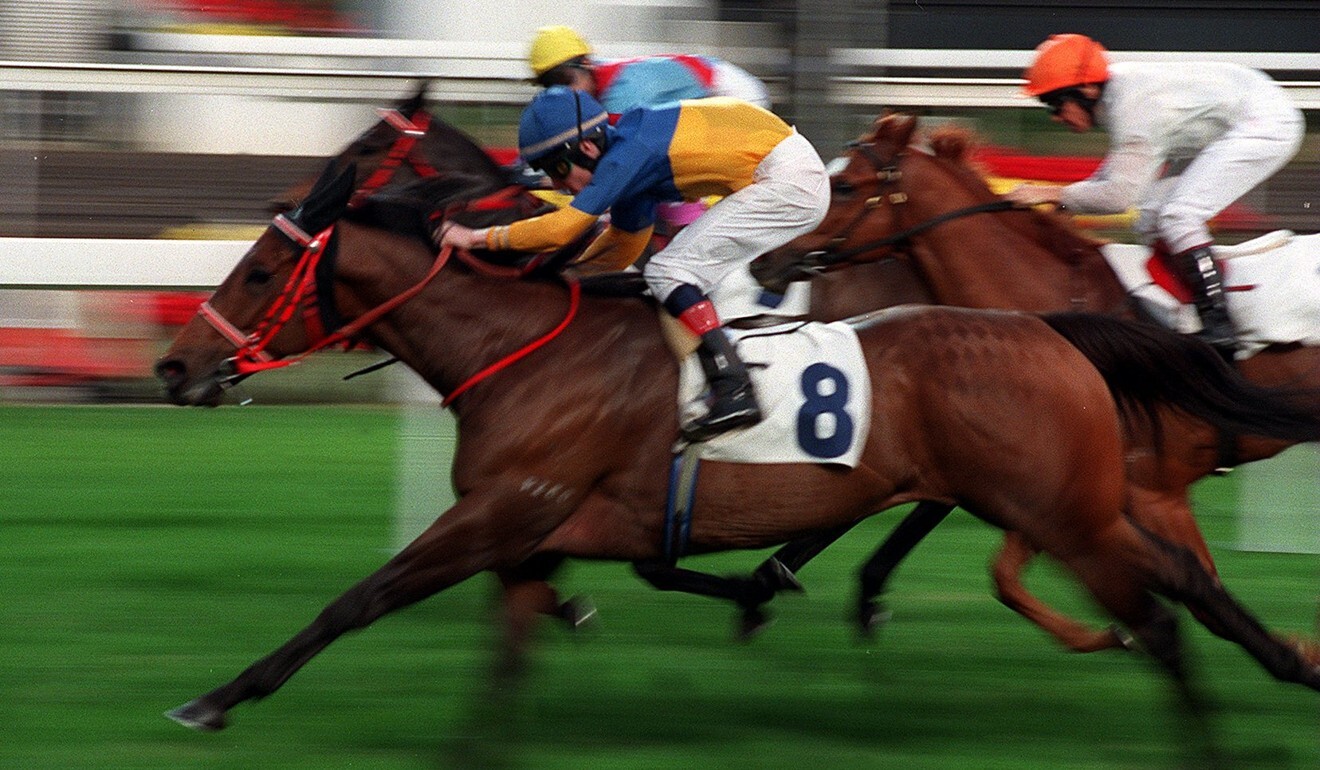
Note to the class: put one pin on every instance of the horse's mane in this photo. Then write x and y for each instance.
(415, 209)
(956, 146)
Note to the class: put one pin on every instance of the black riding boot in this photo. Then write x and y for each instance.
(1197, 268)
(733, 403)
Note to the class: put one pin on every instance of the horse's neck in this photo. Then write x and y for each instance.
(460, 324)
(1006, 260)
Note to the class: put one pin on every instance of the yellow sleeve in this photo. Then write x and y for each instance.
(614, 249)
(550, 231)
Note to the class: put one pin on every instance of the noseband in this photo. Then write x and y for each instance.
(887, 173)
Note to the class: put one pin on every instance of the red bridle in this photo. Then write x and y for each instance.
(251, 355)
(410, 132)
(300, 289)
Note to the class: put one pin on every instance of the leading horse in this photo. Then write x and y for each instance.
(565, 441)
(410, 143)
(930, 213)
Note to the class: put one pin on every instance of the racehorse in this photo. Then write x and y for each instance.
(567, 415)
(931, 213)
(410, 143)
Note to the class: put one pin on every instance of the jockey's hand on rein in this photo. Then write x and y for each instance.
(460, 237)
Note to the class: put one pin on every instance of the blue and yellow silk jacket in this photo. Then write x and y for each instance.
(682, 151)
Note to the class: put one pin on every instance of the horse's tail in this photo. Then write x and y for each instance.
(1147, 366)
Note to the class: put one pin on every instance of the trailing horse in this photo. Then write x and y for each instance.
(929, 214)
(567, 414)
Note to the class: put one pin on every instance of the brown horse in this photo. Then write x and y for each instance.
(932, 213)
(411, 143)
(565, 439)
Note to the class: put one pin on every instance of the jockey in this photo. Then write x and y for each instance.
(1185, 141)
(775, 189)
(559, 56)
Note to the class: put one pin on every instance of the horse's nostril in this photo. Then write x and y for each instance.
(171, 371)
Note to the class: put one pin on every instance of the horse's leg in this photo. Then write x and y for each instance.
(1181, 576)
(914, 527)
(527, 594)
(749, 593)
(1117, 567)
(1007, 575)
(455, 547)
(1166, 513)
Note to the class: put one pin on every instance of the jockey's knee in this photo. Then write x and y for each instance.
(1182, 229)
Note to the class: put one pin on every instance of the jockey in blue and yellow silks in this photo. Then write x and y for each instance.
(775, 189)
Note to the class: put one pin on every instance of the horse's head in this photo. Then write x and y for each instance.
(250, 319)
(865, 193)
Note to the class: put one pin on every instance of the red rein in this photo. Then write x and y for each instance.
(300, 290)
(252, 357)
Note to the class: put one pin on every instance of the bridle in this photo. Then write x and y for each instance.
(403, 149)
(888, 174)
(308, 286)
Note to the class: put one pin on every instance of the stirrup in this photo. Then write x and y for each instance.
(739, 410)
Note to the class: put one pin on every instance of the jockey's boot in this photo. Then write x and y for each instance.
(1197, 268)
(733, 401)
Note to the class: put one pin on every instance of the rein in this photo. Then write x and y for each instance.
(309, 283)
(252, 356)
(889, 173)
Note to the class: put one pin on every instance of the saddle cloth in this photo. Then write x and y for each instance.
(1272, 283)
(814, 390)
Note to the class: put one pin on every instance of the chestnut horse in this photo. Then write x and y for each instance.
(410, 143)
(931, 212)
(565, 441)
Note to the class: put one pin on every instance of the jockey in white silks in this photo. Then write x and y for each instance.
(1185, 141)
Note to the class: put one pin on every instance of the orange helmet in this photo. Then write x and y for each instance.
(1064, 61)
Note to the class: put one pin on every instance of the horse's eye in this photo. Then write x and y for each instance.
(843, 189)
(258, 276)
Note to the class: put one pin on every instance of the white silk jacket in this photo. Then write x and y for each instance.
(1186, 140)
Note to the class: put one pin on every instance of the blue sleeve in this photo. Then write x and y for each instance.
(634, 174)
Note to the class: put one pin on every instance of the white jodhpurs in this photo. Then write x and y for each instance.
(788, 197)
(1178, 207)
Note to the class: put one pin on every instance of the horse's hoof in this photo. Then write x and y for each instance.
(1125, 638)
(199, 715)
(777, 576)
(578, 612)
(871, 617)
(752, 622)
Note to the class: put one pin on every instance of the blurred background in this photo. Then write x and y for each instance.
(155, 121)
(153, 550)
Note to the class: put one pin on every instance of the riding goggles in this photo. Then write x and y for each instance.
(556, 165)
(1054, 100)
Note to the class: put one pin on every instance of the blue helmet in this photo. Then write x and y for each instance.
(556, 120)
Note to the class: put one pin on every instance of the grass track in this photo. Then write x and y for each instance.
(152, 553)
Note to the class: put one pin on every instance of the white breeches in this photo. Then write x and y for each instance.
(1177, 207)
(788, 197)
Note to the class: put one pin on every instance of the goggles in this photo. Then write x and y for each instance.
(1054, 100)
(556, 165)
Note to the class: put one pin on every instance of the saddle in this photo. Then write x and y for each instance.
(1272, 284)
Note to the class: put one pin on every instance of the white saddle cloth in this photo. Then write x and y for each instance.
(814, 390)
(1273, 285)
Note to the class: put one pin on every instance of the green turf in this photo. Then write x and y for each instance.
(152, 553)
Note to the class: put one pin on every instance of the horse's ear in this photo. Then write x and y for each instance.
(415, 102)
(894, 131)
(328, 199)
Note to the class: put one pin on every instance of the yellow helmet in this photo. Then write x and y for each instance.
(555, 45)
